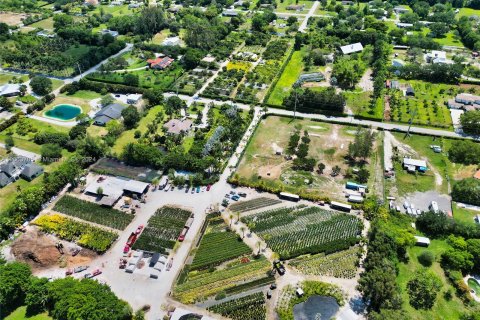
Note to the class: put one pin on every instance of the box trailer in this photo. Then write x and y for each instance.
(289, 196)
(340, 206)
(355, 199)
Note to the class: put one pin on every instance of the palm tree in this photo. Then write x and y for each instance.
(259, 243)
(242, 228)
(155, 182)
(238, 217)
(231, 219)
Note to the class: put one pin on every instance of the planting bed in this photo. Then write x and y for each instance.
(253, 204)
(292, 232)
(84, 234)
(341, 264)
(250, 307)
(162, 230)
(201, 285)
(217, 247)
(93, 212)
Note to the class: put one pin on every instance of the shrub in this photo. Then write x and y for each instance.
(426, 258)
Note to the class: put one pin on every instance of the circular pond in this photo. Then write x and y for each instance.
(316, 308)
(63, 112)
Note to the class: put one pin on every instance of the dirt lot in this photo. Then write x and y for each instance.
(12, 19)
(39, 251)
(329, 145)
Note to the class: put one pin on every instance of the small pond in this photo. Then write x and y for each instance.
(475, 285)
(63, 112)
(316, 308)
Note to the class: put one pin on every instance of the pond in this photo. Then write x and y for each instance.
(316, 308)
(475, 285)
(63, 112)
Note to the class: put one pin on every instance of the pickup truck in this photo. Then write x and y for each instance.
(95, 273)
(279, 266)
(80, 269)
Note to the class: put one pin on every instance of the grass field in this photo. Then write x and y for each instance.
(282, 6)
(5, 78)
(291, 73)
(443, 309)
(239, 65)
(450, 39)
(329, 144)
(359, 101)
(159, 37)
(83, 94)
(128, 136)
(44, 24)
(464, 215)
(21, 314)
(467, 12)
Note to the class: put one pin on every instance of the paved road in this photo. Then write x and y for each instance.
(343, 120)
(304, 24)
(22, 152)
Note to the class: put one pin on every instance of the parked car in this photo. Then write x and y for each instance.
(139, 229)
(187, 188)
(69, 272)
(95, 272)
(225, 203)
(167, 188)
(198, 189)
(273, 286)
(80, 269)
(232, 192)
(227, 196)
(269, 294)
(126, 248)
(75, 252)
(242, 194)
(193, 190)
(208, 187)
(279, 266)
(235, 198)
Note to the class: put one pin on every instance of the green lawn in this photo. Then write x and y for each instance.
(467, 12)
(442, 309)
(159, 37)
(128, 136)
(281, 6)
(56, 84)
(44, 24)
(359, 102)
(113, 10)
(464, 215)
(287, 79)
(450, 39)
(83, 94)
(77, 51)
(5, 78)
(20, 314)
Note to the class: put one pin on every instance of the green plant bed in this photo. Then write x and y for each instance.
(84, 234)
(250, 307)
(93, 212)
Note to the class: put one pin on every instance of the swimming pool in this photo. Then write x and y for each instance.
(63, 112)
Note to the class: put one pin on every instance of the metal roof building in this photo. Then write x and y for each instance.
(352, 48)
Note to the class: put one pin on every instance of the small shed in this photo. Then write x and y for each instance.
(410, 92)
(422, 241)
(299, 292)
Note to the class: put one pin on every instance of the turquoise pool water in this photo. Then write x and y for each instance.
(64, 112)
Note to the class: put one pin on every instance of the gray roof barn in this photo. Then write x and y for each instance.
(31, 171)
(111, 112)
(4, 179)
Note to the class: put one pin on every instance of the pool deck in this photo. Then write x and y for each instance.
(68, 124)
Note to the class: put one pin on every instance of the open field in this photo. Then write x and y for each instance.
(5, 78)
(12, 19)
(443, 309)
(287, 79)
(21, 314)
(467, 12)
(464, 215)
(282, 6)
(44, 24)
(329, 145)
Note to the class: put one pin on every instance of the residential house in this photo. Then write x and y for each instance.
(10, 90)
(110, 32)
(395, 84)
(422, 241)
(133, 98)
(4, 179)
(352, 48)
(297, 7)
(178, 126)
(172, 41)
(436, 56)
(31, 171)
(402, 25)
(413, 165)
(133, 5)
(160, 62)
(229, 13)
(11, 168)
(400, 10)
(111, 112)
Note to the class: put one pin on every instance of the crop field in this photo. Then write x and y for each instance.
(93, 212)
(427, 106)
(217, 247)
(253, 204)
(162, 230)
(291, 232)
(84, 234)
(116, 168)
(341, 264)
(201, 285)
(251, 307)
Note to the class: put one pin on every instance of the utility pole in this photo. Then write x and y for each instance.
(79, 70)
(410, 122)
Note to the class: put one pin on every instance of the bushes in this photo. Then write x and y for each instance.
(250, 307)
(84, 234)
(93, 212)
(465, 152)
(467, 191)
(426, 258)
(59, 138)
(317, 101)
